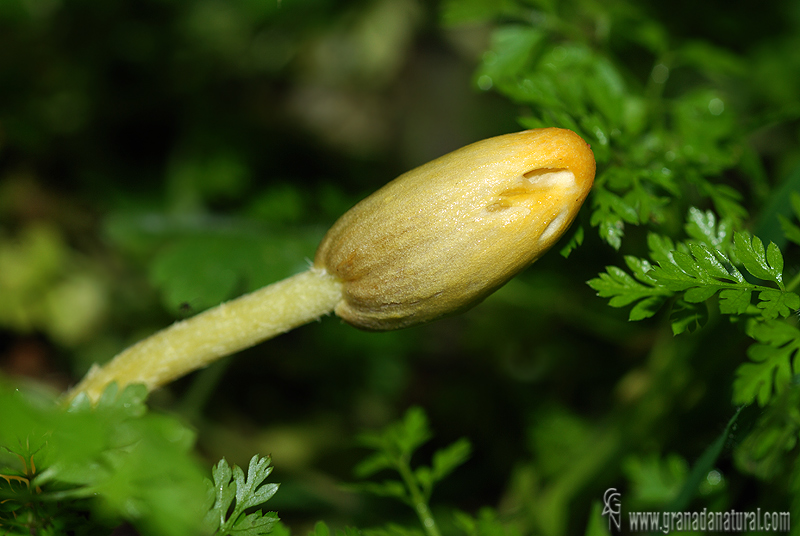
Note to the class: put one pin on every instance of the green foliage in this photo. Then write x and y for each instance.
(697, 270)
(227, 257)
(485, 523)
(693, 272)
(321, 529)
(234, 494)
(771, 443)
(663, 133)
(575, 241)
(394, 446)
(116, 460)
(655, 481)
(598, 525)
(791, 230)
(650, 148)
(773, 365)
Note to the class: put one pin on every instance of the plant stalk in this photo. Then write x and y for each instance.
(232, 326)
(418, 501)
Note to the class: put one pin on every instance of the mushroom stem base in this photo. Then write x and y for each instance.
(232, 326)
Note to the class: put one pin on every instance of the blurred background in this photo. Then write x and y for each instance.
(158, 157)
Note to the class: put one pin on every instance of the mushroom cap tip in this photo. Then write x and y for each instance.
(443, 236)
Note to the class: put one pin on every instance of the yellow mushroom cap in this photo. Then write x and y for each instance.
(441, 237)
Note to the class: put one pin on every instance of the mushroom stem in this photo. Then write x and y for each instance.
(232, 326)
(435, 241)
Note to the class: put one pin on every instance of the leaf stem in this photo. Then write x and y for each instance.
(418, 500)
(232, 326)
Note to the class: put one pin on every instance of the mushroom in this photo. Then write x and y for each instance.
(433, 242)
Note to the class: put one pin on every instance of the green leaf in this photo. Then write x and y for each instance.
(711, 59)
(775, 303)
(610, 213)
(791, 230)
(387, 488)
(111, 462)
(557, 437)
(598, 523)
(128, 403)
(726, 200)
(446, 460)
(708, 136)
(649, 206)
(511, 52)
(699, 272)
(396, 441)
(654, 480)
(348, 531)
(687, 316)
(424, 477)
(373, 464)
(703, 227)
(320, 529)
(235, 492)
(393, 529)
(608, 91)
(575, 240)
(767, 266)
(227, 256)
(768, 449)
(794, 199)
(661, 248)
(639, 268)
(773, 362)
(678, 270)
(699, 294)
(624, 289)
(225, 492)
(619, 286)
(734, 301)
(413, 432)
(251, 491)
(707, 260)
(222, 266)
(646, 308)
(255, 524)
(395, 446)
(486, 523)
